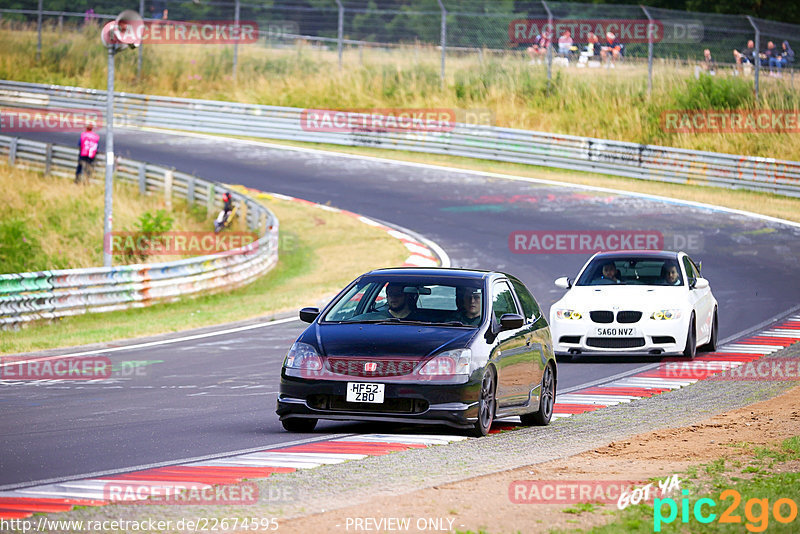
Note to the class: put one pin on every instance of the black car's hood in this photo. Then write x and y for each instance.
(387, 340)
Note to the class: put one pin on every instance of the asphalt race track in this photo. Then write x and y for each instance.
(217, 394)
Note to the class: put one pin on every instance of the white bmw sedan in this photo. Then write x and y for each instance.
(635, 302)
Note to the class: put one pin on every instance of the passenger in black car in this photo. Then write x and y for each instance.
(469, 304)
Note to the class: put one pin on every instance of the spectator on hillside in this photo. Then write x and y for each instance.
(746, 56)
(611, 50)
(708, 64)
(783, 59)
(770, 53)
(565, 44)
(538, 50)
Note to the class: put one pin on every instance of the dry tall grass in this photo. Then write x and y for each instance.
(606, 103)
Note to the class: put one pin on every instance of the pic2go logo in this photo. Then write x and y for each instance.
(756, 511)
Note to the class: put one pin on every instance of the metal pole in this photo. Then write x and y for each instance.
(756, 59)
(236, 44)
(650, 28)
(139, 61)
(443, 39)
(108, 206)
(549, 44)
(340, 31)
(39, 31)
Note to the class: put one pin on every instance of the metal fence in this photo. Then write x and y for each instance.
(477, 27)
(617, 158)
(26, 297)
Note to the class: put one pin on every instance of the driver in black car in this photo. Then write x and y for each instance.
(400, 304)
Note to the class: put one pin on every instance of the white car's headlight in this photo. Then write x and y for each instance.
(303, 356)
(568, 314)
(456, 362)
(665, 315)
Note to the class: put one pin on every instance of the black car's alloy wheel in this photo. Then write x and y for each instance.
(486, 405)
(547, 399)
(299, 425)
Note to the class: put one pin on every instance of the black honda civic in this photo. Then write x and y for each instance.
(422, 345)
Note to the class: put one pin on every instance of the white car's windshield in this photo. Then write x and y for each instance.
(631, 271)
(410, 300)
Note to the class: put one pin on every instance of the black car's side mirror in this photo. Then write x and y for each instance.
(307, 315)
(511, 321)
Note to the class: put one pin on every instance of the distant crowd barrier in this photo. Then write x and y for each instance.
(26, 297)
(617, 158)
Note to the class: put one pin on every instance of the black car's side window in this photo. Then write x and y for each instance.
(529, 306)
(502, 300)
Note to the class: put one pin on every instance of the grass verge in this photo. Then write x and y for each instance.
(315, 261)
(52, 223)
(755, 492)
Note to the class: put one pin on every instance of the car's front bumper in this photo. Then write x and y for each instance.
(454, 405)
(650, 337)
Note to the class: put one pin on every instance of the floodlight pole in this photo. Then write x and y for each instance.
(109, 202)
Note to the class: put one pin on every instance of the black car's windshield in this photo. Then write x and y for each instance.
(632, 270)
(411, 300)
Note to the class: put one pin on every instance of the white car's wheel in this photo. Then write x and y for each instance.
(690, 349)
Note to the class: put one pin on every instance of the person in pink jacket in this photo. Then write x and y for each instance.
(88, 144)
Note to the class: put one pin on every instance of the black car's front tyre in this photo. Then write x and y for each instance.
(547, 400)
(486, 404)
(299, 425)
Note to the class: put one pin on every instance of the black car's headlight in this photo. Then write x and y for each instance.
(451, 363)
(303, 356)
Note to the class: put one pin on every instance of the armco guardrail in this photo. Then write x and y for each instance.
(50, 294)
(647, 162)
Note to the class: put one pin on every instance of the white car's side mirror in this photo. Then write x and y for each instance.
(701, 283)
(563, 283)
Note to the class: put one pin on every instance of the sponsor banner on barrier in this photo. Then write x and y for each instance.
(590, 241)
(180, 493)
(48, 120)
(568, 491)
(76, 368)
(730, 121)
(176, 243)
(766, 369)
(189, 32)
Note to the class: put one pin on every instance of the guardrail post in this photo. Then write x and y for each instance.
(443, 39)
(48, 158)
(340, 31)
(60, 23)
(39, 32)
(756, 59)
(236, 43)
(551, 32)
(168, 189)
(210, 199)
(243, 213)
(190, 190)
(650, 27)
(139, 60)
(12, 151)
(262, 221)
(142, 179)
